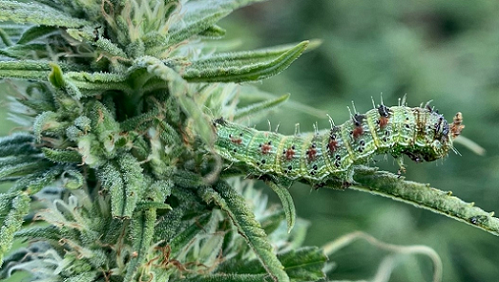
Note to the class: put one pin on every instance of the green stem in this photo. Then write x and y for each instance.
(421, 195)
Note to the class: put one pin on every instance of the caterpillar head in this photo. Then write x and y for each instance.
(441, 135)
(445, 134)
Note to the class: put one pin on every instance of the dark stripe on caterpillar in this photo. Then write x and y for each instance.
(420, 133)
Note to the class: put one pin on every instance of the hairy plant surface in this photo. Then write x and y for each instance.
(114, 174)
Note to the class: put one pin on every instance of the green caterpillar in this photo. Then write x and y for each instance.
(421, 133)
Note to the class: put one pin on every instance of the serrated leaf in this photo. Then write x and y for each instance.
(135, 184)
(17, 144)
(37, 50)
(260, 107)
(50, 232)
(62, 156)
(153, 205)
(303, 264)
(271, 222)
(5, 38)
(96, 83)
(197, 18)
(37, 70)
(72, 179)
(83, 277)
(112, 181)
(45, 121)
(243, 66)
(244, 220)
(213, 32)
(182, 91)
(226, 278)
(18, 170)
(36, 32)
(56, 77)
(183, 238)
(12, 222)
(34, 182)
(286, 201)
(142, 232)
(6, 202)
(35, 13)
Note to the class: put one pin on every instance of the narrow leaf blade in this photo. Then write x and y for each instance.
(244, 220)
(35, 13)
(243, 66)
(286, 201)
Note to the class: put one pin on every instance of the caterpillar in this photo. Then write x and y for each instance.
(420, 133)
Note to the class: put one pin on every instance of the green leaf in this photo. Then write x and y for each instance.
(197, 18)
(303, 264)
(56, 77)
(17, 144)
(21, 169)
(96, 83)
(4, 36)
(271, 222)
(36, 32)
(6, 202)
(36, 70)
(226, 278)
(213, 32)
(35, 13)
(72, 179)
(243, 66)
(286, 201)
(50, 232)
(260, 107)
(112, 181)
(135, 184)
(41, 178)
(62, 156)
(183, 92)
(12, 222)
(153, 205)
(183, 238)
(142, 232)
(244, 220)
(37, 50)
(46, 121)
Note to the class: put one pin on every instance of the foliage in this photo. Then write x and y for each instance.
(113, 176)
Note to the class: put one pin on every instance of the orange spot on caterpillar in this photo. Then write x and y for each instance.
(357, 132)
(382, 122)
(357, 121)
(289, 153)
(266, 148)
(311, 153)
(332, 144)
(384, 116)
(236, 140)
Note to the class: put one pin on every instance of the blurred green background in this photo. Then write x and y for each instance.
(445, 51)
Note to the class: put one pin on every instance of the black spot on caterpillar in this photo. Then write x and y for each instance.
(420, 133)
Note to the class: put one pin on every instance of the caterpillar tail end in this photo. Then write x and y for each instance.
(457, 125)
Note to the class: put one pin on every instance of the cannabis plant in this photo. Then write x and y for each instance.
(113, 173)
